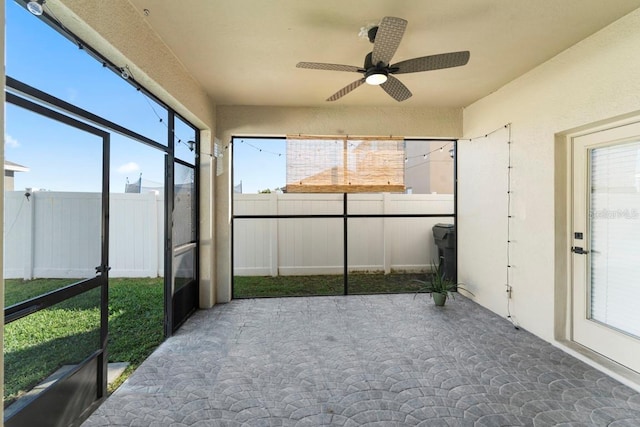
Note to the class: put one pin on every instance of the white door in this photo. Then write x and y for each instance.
(606, 243)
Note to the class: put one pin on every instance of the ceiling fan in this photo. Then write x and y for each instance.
(377, 69)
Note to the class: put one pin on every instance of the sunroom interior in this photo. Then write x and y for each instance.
(548, 88)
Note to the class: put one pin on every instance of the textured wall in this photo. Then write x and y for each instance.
(594, 81)
(119, 32)
(278, 121)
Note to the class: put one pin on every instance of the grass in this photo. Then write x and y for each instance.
(16, 291)
(359, 283)
(136, 316)
(37, 345)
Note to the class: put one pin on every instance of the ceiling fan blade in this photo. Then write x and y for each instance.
(345, 90)
(329, 67)
(388, 37)
(432, 62)
(396, 89)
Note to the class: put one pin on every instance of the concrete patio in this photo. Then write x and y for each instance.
(386, 360)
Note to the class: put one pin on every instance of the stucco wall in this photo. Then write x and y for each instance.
(596, 80)
(119, 32)
(116, 30)
(273, 121)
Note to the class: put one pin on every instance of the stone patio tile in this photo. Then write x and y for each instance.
(383, 360)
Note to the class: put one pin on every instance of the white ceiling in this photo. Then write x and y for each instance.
(244, 52)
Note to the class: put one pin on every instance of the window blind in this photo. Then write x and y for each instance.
(345, 164)
(615, 236)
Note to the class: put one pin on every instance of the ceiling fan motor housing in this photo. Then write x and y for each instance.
(368, 63)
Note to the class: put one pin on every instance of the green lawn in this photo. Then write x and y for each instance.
(37, 345)
(16, 291)
(359, 283)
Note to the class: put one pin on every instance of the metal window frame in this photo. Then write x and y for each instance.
(24, 308)
(180, 303)
(345, 215)
(97, 361)
(24, 93)
(40, 102)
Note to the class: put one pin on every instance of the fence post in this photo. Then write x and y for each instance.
(387, 234)
(153, 243)
(274, 200)
(160, 220)
(29, 236)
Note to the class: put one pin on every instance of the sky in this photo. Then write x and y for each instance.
(59, 157)
(259, 164)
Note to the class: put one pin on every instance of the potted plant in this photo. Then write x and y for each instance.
(438, 286)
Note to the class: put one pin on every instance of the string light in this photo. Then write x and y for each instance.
(36, 7)
(423, 156)
(509, 288)
(261, 150)
(508, 125)
(508, 285)
(426, 155)
(125, 72)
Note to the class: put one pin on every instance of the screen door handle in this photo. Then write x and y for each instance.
(101, 269)
(578, 250)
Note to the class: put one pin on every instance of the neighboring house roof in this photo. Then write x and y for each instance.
(10, 166)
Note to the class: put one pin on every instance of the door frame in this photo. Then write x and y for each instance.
(584, 332)
(81, 390)
(344, 215)
(21, 94)
(180, 303)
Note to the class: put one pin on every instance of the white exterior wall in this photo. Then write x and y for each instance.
(594, 81)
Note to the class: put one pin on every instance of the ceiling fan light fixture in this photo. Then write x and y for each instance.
(376, 77)
(35, 7)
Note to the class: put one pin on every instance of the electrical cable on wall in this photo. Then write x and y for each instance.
(509, 289)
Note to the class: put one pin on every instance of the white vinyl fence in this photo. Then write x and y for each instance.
(290, 246)
(58, 235)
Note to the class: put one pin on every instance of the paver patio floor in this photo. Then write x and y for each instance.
(380, 360)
